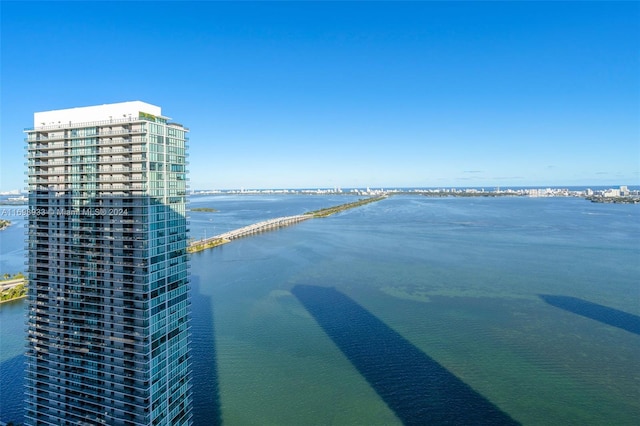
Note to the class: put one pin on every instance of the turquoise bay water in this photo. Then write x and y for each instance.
(459, 279)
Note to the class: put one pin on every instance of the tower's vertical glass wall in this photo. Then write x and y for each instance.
(108, 323)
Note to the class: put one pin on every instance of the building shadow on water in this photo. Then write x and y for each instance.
(418, 389)
(204, 365)
(601, 313)
(12, 389)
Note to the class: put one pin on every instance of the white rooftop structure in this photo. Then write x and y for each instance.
(99, 113)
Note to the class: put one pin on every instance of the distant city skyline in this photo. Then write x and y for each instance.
(356, 94)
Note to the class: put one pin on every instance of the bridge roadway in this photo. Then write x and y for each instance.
(255, 228)
(8, 284)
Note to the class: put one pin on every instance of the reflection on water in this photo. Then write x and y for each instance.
(11, 385)
(12, 344)
(206, 393)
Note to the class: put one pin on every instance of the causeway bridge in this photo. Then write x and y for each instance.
(8, 284)
(270, 224)
(266, 225)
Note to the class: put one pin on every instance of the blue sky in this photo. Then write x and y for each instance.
(304, 94)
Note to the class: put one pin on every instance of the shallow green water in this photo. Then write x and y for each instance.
(460, 279)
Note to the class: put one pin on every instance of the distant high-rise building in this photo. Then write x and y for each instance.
(108, 320)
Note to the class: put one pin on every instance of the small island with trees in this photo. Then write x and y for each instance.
(336, 209)
(614, 200)
(4, 224)
(204, 209)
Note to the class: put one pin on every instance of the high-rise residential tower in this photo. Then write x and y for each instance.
(108, 320)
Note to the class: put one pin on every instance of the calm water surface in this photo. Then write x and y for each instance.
(520, 303)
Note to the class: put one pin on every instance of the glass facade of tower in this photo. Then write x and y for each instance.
(108, 320)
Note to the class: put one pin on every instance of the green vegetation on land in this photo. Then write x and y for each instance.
(4, 223)
(12, 287)
(196, 246)
(614, 200)
(336, 209)
(470, 194)
(8, 277)
(13, 293)
(204, 209)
